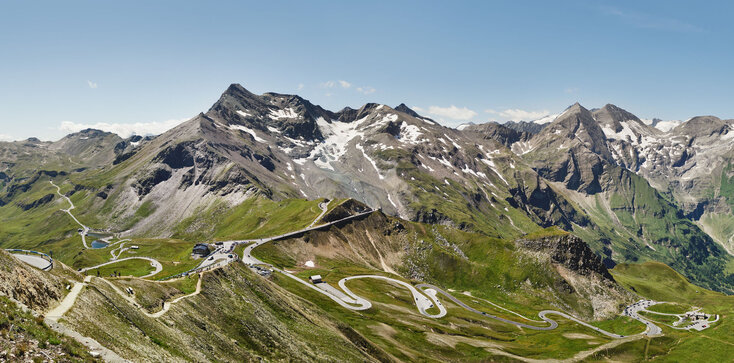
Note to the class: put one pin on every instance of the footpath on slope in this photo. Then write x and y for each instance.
(166, 305)
(53, 316)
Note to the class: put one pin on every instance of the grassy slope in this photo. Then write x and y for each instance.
(238, 317)
(124, 268)
(455, 200)
(495, 278)
(642, 217)
(255, 218)
(660, 282)
(48, 229)
(721, 225)
(149, 294)
(412, 337)
(22, 334)
(492, 269)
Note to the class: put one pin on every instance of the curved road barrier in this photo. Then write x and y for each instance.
(36, 259)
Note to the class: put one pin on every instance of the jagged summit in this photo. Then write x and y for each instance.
(238, 89)
(614, 113)
(578, 123)
(404, 108)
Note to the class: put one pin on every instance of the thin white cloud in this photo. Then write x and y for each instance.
(300, 86)
(516, 114)
(649, 21)
(346, 85)
(452, 112)
(124, 129)
(366, 90)
(4, 137)
(417, 109)
(91, 84)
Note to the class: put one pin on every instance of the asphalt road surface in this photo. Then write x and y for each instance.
(35, 261)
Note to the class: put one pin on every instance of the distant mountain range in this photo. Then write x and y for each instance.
(632, 191)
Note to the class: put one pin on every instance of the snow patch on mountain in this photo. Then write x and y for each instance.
(492, 166)
(389, 199)
(666, 126)
(244, 113)
(249, 131)
(545, 119)
(410, 133)
(625, 134)
(463, 126)
(374, 164)
(390, 117)
(284, 113)
(453, 142)
(661, 125)
(337, 136)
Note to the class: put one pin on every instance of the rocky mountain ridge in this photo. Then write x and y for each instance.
(586, 172)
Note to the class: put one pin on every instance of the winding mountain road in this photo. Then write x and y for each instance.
(424, 295)
(153, 262)
(422, 302)
(120, 249)
(324, 206)
(85, 229)
(552, 324)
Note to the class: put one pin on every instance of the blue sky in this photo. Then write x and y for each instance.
(137, 66)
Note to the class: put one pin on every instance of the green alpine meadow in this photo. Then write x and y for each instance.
(428, 182)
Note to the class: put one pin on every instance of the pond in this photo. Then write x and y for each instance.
(98, 244)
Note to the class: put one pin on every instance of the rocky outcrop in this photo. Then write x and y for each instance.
(569, 251)
(151, 179)
(500, 133)
(407, 110)
(543, 204)
(177, 157)
(36, 203)
(347, 208)
(36, 289)
(531, 128)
